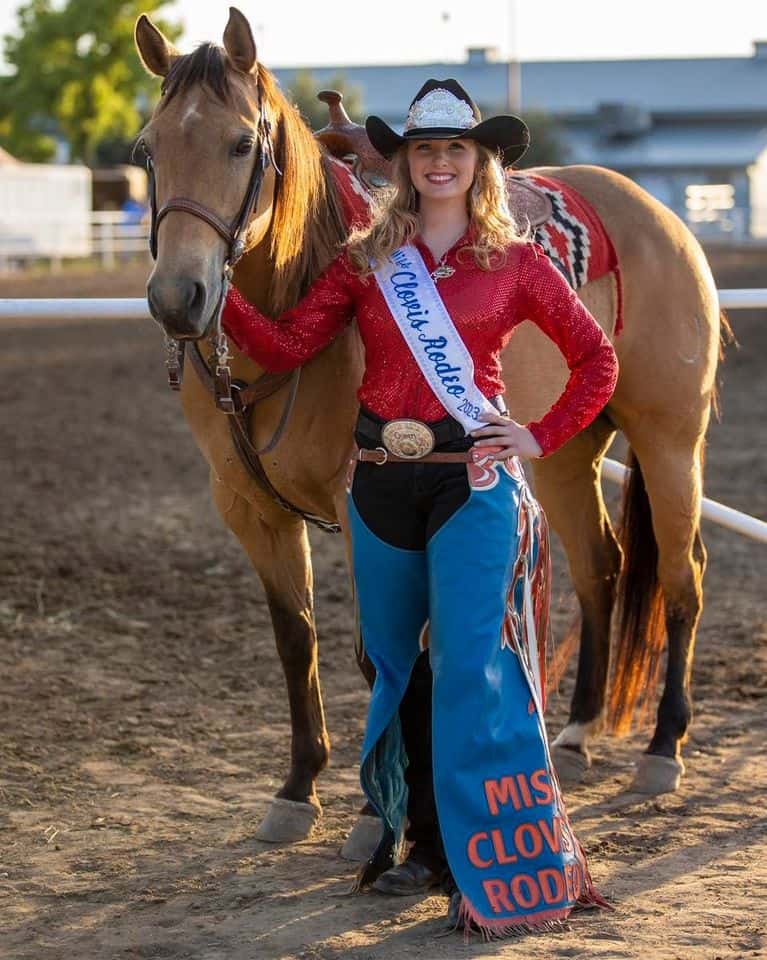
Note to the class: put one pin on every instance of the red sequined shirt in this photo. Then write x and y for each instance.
(485, 307)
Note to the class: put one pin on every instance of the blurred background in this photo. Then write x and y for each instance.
(676, 99)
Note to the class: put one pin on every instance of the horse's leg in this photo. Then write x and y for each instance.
(280, 554)
(672, 471)
(568, 486)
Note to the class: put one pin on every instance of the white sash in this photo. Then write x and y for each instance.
(414, 301)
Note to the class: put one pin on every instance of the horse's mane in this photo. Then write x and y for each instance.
(308, 227)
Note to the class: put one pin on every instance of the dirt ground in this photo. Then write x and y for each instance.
(143, 717)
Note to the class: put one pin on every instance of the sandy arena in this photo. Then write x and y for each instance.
(144, 716)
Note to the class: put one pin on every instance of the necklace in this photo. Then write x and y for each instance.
(442, 269)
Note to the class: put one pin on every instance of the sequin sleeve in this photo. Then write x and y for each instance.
(548, 301)
(296, 335)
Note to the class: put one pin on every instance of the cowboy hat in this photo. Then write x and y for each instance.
(442, 110)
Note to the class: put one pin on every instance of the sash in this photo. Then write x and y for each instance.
(421, 315)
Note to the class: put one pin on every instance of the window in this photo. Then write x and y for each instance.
(710, 203)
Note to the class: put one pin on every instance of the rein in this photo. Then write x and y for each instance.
(233, 397)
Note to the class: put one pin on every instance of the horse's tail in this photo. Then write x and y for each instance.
(726, 339)
(641, 623)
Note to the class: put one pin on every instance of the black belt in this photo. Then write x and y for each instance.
(446, 430)
(369, 426)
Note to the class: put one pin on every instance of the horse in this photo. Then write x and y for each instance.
(204, 137)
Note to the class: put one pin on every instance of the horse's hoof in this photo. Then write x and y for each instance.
(363, 839)
(288, 821)
(657, 774)
(570, 764)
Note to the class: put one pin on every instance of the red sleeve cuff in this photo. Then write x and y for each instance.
(541, 438)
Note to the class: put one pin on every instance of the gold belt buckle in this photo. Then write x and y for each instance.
(409, 439)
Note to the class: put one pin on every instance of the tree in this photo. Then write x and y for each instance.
(548, 143)
(303, 94)
(548, 140)
(76, 76)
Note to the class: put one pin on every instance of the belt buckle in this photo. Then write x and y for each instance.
(409, 439)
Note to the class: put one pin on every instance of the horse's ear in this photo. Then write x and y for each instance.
(157, 54)
(239, 43)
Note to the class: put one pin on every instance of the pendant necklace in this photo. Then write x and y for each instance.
(442, 269)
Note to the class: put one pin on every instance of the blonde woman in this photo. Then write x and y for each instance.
(445, 531)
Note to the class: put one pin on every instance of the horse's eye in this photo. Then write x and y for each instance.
(244, 146)
(141, 151)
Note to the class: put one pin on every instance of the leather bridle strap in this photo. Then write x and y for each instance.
(197, 210)
(234, 398)
(247, 395)
(231, 233)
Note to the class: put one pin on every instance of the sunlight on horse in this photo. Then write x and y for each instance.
(202, 142)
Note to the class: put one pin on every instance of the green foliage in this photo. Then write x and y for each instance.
(548, 145)
(548, 142)
(303, 95)
(76, 75)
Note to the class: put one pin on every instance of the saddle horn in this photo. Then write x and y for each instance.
(343, 138)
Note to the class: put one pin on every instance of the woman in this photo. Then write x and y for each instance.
(445, 531)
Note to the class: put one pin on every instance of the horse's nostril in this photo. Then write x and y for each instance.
(178, 304)
(151, 300)
(197, 302)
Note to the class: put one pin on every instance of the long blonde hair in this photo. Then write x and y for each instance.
(395, 217)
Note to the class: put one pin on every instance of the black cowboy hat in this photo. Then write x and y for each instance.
(442, 110)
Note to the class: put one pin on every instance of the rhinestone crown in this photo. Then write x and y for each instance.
(440, 108)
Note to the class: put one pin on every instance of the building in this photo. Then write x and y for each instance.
(691, 131)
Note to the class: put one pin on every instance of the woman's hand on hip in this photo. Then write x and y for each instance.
(516, 440)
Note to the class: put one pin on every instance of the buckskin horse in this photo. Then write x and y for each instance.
(235, 168)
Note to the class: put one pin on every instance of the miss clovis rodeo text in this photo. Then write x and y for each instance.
(404, 284)
(528, 840)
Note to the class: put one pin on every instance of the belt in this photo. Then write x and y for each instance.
(381, 455)
(445, 431)
(374, 429)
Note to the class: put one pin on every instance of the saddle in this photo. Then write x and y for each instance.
(348, 141)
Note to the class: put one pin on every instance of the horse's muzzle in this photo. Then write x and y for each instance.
(180, 306)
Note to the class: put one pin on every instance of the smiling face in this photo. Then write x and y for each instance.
(442, 169)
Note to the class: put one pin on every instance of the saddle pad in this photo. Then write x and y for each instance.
(354, 195)
(575, 240)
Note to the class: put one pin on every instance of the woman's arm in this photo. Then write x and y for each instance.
(296, 335)
(546, 298)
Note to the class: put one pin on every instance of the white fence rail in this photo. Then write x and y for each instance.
(743, 299)
(107, 234)
(73, 310)
(725, 516)
(136, 309)
(112, 235)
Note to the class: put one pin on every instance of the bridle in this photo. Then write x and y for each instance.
(233, 234)
(233, 397)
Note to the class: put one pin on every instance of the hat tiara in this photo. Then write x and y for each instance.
(440, 108)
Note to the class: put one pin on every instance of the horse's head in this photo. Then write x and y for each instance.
(203, 145)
